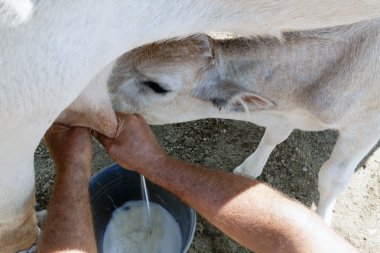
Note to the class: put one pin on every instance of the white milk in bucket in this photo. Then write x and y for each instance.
(128, 230)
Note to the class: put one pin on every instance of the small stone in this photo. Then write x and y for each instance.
(304, 169)
(172, 140)
(189, 142)
(37, 205)
(270, 179)
(209, 161)
(41, 217)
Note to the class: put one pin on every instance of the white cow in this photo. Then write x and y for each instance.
(50, 51)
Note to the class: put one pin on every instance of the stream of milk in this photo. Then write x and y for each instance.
(145, 197)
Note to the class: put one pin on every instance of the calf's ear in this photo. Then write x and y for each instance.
(251, 101)
(232, 97)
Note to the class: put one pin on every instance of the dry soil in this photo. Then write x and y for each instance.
(292, 168)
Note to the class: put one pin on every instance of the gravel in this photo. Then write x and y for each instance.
(292, 169)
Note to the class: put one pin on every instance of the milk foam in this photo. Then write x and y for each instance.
(127, 231)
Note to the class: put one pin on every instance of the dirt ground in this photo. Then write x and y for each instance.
(292, 168)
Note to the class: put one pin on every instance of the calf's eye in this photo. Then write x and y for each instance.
(155, 87)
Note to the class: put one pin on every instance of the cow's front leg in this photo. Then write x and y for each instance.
(254, 164)
(18, 227)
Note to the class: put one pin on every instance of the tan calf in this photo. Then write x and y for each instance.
(311, 80)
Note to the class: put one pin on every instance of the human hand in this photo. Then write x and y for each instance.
(70, 147)
(135, 147)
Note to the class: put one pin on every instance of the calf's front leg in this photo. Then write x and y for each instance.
(254, 164)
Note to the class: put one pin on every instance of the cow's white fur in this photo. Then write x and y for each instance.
(311, 80)
(50, 50)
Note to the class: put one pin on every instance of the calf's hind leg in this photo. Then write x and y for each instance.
(336, 173)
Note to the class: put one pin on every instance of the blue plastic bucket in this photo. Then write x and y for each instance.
(111, 187)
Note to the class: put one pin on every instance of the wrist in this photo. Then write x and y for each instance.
(165, 172)
(150, 167)
(74, 169)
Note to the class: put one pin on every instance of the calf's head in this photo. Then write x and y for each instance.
(177, 81)
(166, 82)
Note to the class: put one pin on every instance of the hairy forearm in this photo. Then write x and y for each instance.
(68, 227)
(248, 211)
